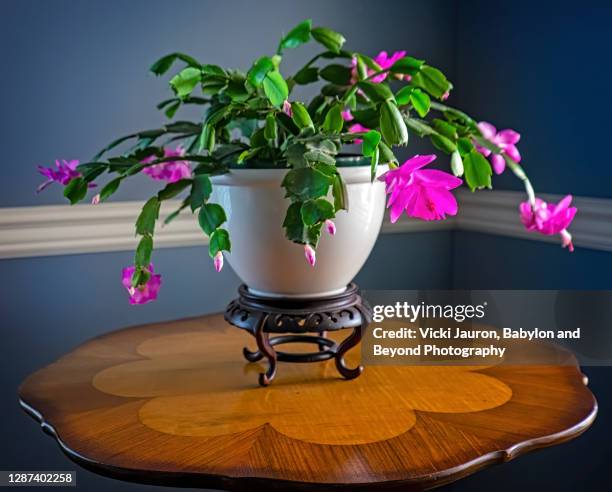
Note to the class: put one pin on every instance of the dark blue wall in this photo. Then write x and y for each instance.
(542, 68)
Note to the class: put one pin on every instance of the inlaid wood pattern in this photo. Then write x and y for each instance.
(175, 403)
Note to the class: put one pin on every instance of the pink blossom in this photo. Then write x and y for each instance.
(444, 96)
(96, 199)
(330, 227)
(384, 61)
(310, 254)
(143, 293)
(347, 115)
(218, 261)
(422, 193)
(287, 108)
(171, 171)
(549, 219)
(505, 140)
(65, 171)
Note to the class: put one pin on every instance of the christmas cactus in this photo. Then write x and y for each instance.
(250, 118)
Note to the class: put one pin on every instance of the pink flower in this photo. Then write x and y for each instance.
(218, 261)
(65, 171)
(422, 193)
(330, 227)
(96, 199)
(384, 61)
(168, 171)
(310, 254)
(505, 140)
(144, 293)
(287, 108)
(549, 219)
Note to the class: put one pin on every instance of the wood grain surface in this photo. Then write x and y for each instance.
(176, 404)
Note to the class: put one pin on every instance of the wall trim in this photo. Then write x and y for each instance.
(62, 229)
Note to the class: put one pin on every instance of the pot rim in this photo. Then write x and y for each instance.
(247, 177)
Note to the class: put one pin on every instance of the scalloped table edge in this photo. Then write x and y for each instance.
(203, 480)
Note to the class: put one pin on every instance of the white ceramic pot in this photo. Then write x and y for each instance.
(271, 265)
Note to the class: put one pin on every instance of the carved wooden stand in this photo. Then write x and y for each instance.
(293, 321)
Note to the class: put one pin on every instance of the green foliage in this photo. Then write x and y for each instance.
(407, 65)
(313, 211)
(333, 122)
(145, 224)
(477, 170)
(306, 75)
(173, 189)
(300, 34)
(259, 70)
(110, 188)
(185, 81)
(162, 65)
(210, 217)
(392, 124)
(75, 190)
(376, 92)
(332, 40)
(300, 116)
(219, 241)
(201, 189)
(420, 102)
(432, 80)
(338, 74)
(142, 258)
(306, 182)
(275, 87)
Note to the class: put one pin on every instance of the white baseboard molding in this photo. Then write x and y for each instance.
(63, 229)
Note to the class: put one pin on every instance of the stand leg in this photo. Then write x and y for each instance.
(252, 355)
(347, 344)
(263, 343)
(321, 346)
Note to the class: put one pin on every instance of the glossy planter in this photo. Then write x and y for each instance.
(271, 265)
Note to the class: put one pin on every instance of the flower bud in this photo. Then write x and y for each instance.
(96, 199)
(566, 240)
(330, 227)
(218, 261)
(287, 108)
(310, 254)
(457, 164)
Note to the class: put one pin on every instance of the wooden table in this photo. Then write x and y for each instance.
(176, 404)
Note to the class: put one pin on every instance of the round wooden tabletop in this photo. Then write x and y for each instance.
(176, 404)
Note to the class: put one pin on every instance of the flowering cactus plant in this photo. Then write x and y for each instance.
(250, 118)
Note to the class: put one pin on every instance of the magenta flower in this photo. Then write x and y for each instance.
(144, 293)
(310, 254)
(422, 193)
(218, 261)
(384, 61)
(171, 171)
(65, 171)
(330, 227)
(549, 219)
(505, 140)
